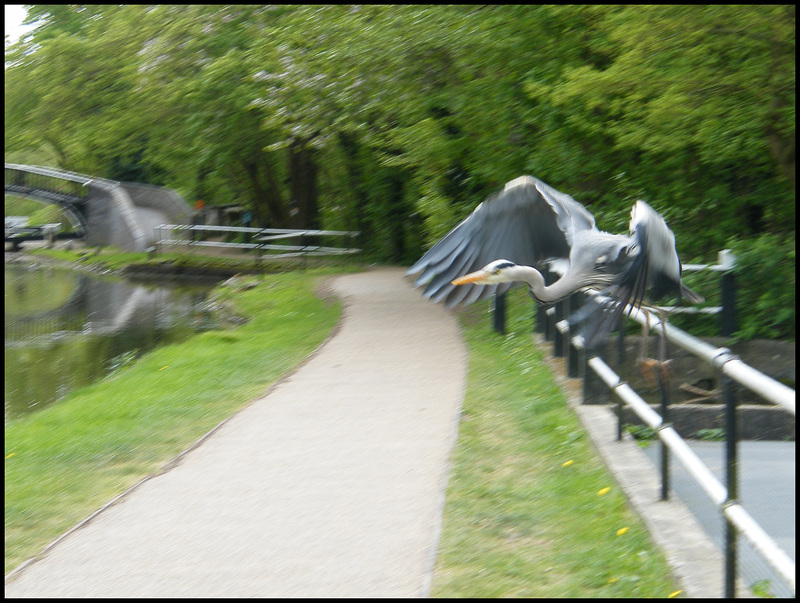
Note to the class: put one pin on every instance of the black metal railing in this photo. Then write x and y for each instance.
(598, 378)
(729, 368)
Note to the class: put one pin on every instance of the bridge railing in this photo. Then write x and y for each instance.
(264, 241)
(59, 184)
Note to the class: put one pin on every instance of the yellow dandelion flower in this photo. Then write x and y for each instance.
(621, 531)
(603, 491)
(567, 463)
(675, 594)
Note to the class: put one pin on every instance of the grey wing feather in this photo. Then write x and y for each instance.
(658, 243)
(527, 223)
(571, 216)
(651, 264)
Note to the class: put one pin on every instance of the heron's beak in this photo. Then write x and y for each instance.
(473, 277)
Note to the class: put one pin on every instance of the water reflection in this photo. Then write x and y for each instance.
(64, 329)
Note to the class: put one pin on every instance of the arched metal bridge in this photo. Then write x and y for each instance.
(105, 212)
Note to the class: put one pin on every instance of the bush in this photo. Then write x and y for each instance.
(765, 285)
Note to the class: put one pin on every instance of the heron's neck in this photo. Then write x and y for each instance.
(544, 293)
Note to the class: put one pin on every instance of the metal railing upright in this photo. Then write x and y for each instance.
(729, 368)
(553, 323)
(737, 518)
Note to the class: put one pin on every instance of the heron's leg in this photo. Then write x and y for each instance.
(646, 364)
(643, 342)
(649, 365)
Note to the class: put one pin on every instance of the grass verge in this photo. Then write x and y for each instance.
(112, 258)
(65, 461)
(531, 511)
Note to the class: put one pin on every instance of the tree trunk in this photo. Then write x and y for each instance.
(63, 161)
(782, 148)
(268, 205)
(355, 179)
(396, 215)
(303, 204)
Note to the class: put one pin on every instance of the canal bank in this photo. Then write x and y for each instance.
(65, 329)
(200, 264)
(609, 432)
(70, 459)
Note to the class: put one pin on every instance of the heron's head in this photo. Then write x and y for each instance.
(499, 271)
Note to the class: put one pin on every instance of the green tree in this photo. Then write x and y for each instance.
(697, 107)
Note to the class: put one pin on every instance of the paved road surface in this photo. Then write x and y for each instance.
(331, 485)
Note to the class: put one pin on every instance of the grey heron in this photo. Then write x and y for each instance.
(528, 226)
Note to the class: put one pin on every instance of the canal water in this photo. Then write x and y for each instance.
(65, 329)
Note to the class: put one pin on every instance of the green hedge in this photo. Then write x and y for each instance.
(765, 287)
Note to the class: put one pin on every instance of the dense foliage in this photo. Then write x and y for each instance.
(397, 120)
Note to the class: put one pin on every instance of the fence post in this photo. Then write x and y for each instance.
(575, 344)
(593, 386)
(731, 483)
(558, 337)
(663, 386)
(620, 368)
(50, 236)
(549, 323)
(541, 317)
(727, 293)
(576, 300)
(500, 313)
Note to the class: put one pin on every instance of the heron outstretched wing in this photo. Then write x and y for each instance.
(664, 268)
(651, 264)
(527, 223)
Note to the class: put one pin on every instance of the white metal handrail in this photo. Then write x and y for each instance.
(731, 366)
(262, 235)
(718, 493)
(723, 359)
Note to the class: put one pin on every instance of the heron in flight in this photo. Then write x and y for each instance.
(529, 226)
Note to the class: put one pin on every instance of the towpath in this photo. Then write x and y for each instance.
(331, 485)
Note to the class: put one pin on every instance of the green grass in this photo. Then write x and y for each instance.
(531, 511)
(112, 258)
(65, 461)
